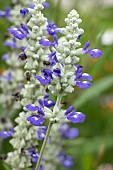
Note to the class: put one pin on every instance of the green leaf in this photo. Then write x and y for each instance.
(94, 91)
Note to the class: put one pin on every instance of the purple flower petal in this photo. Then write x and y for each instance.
(69, 110)
(95, 53)
(32, 107)
(86, 46)
(57, 72)
(22, 48)
(31, 6)
(46, 96)
(66, 161)
(24, 12)
(25, 28)
(55, 39)
(5, 134)
(46, 42)
(53, 58)
(42, 132)
(8, 77)
(17, 32)
(84, 84)
(34, 155)
(5, 56)
(76, 117)
(42, 80)
(46, 5)
(41, 102)
(11, 44)
(79, 37)
(47, 74)
(52, 29)
(6, 13)
(35, 120)
(86, 76)
(73, 133)
(49, 103)
(41, 111)
(68, 132)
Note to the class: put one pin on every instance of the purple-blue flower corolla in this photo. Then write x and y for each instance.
(52, 29)
(48, 75)
(6, 13)
(52, 58)
(95, 53)
(11, 44)
(5, 56)
(42, 132)
(81, 79)
(34, 155)
(66, 161)
(68, 132)
(6, 134)
(19, 33)
(37, 120)
(24, 12)
(8, 77)
(74, 117)
(46, 5)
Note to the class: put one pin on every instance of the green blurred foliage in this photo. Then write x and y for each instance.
(94, 146)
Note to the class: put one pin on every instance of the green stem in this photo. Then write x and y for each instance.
(44, 145)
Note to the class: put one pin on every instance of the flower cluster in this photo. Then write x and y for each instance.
(51, 68)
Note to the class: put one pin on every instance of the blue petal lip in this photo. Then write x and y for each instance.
(35, 120)
(32, 107)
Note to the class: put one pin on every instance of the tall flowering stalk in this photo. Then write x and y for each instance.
(10, 83)
(51, 69)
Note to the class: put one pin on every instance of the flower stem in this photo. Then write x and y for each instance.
(44, 145)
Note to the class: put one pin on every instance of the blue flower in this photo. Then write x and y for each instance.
(34, 155)
(95, 53)
(22, 48)
(6, 134)
(36, 120)
(79, 76)
(24, 12)
(6, 13)
(66, 161)
(5, 56)
(52, 58)
(52, 29)
(47, 75)
(11, 44)
(19, 33)
(74, 117)
(46, 5)
(25, 28)
(42, 132)
(8, 77)
(46, 43)
(68, 132)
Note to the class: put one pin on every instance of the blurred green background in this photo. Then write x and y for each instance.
(93, 149)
